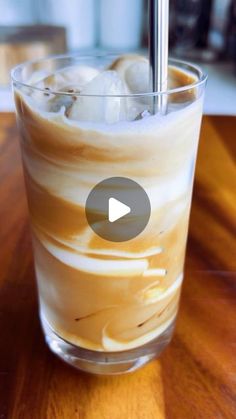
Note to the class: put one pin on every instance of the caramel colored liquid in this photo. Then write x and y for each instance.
(94, 293)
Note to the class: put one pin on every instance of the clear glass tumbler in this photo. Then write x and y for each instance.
(106, 306)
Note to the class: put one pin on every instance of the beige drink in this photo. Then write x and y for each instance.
(96, 294)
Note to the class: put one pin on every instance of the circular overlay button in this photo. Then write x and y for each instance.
(118, 209)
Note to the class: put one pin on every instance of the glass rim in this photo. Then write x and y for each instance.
(202, 78)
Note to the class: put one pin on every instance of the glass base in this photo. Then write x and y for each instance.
(105, 363)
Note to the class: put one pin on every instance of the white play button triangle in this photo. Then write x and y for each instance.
(117, 210)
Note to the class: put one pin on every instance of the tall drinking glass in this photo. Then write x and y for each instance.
(108, 304)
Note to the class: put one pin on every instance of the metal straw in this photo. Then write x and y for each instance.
(158, 51)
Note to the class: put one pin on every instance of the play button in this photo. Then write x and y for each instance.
(118, 209)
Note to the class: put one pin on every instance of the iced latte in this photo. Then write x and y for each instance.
(83, 121)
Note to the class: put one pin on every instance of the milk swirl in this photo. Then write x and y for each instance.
(96, 294)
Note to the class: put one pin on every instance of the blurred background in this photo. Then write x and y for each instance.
(201, 31)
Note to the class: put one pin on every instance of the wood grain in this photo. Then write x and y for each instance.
(196, 375)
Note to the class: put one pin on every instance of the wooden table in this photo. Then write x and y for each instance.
(196, 375)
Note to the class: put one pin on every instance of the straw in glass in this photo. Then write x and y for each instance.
(158, 51)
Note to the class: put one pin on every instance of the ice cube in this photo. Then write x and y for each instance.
(137, 77)
(134, 70)
(76, 76)
(59, 101)
(135, 109)
(41, 99)
(101, 108)
(122, 63)
(37, 76)
(70, 80)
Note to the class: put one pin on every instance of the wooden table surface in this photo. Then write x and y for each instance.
(196, 375)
